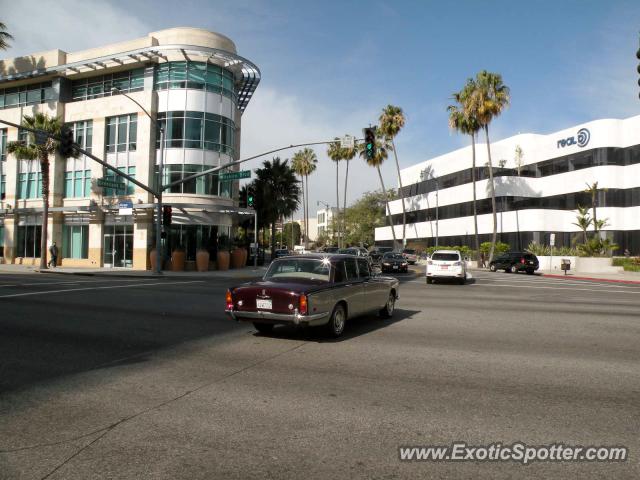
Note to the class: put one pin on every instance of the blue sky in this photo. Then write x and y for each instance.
(329, 67)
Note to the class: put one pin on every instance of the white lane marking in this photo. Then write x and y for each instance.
(629, 290)
(559, 282)
(61, 283)
(96, 288)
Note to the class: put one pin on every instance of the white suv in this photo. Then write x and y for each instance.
(446, 264)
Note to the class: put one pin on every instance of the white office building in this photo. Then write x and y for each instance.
(537, 191)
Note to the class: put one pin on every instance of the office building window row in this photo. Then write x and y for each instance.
(204, 185)
(197, 130)
(29, 180)
(26, 95)
(568, 163)
(28, 244)
(102, 85)
(194, 75)
(121, 133)
(77, 175)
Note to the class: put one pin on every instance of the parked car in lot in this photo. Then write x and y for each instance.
(446, 264)
(377, 253)
(356, 251)
(514, 262)
(394, 262)
(282, 252)
(410, 256)
(313, 290)
(330, 249)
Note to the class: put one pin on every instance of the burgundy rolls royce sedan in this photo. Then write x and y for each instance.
(313, 290)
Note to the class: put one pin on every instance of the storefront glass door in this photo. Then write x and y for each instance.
(118, 246)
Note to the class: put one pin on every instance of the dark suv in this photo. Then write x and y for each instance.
(514, 262)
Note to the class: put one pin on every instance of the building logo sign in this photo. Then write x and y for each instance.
(581, 139)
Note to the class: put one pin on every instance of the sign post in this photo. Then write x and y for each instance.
(348, 142)
(108, 183)
(125, 207)
(234, 175)
(552, 242)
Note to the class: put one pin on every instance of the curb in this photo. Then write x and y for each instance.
(592, 279)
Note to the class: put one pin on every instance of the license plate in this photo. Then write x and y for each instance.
(444, 267)
(395, 267)
(264, 304)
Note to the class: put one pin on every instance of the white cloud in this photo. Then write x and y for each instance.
(274, 119)
(70, 25)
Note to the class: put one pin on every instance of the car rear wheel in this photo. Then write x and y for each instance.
(263, 327)
(390, 306)
(335, 327)
(462, 280)
(492, 268)
(514, 269)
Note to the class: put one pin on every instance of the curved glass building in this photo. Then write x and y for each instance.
(191, 81)
(540, 180)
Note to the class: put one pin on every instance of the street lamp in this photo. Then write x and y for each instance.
(159, 256)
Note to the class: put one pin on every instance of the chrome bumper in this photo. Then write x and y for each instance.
(270, 317)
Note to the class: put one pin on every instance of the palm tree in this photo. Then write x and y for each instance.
(4, 36)
(392, 120)
(305, 163)
(489, 99)
(463, 121)
(381, 154)
(334, 151)
(31, 151)
(279, 192)
(583, 220)
(593, 191)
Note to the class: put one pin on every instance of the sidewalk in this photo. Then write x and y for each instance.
(245, 273)
(622, 277)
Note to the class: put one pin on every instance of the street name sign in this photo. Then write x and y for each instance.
(125, 208)
(348, 141)
(552, 239)
(108, 183)
(234, 175)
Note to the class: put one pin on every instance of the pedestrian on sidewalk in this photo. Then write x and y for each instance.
(482, 264)
(53, 251)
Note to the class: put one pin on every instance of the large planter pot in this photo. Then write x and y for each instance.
(202, 260)
(222, 259)
(153, 259)
(177, 260)
(236, 258)
(245, 255)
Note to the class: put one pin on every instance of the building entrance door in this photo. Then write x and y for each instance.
(118, 246)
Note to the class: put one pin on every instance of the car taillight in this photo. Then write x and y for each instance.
(229, 300)
(457, 264)
(522, 260)
(429, 262)
(304, 307)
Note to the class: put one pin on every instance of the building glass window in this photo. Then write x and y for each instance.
(204, 185)
(29, 180)
(197, 130)
(100, 86)
(28, 244)
(3, 158)
(77, 175)
(194, 75)
(26, 95)
(122, 133)
(75, 241)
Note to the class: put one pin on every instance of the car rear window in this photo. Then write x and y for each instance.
(447, 257)
(299, 268)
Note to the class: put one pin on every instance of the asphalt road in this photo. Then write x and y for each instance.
(137, 378)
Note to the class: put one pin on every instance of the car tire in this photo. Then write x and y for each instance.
(389, 307)
(492, 268)
(462, 280)
(335, 327)
(514, 269)
(263, 328)
(429, 281)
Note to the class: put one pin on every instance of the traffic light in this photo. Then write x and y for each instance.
(167, 211)
(250, 200)
(638, 57)
(65, 148)
(369, 142)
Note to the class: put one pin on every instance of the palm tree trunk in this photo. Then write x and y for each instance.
(492, 190)
(304, 211)
(404, 212)
(273, 239)
(336, 223)
(306, 223)
(344, 200)
(387, 212)
(475, 206)
(44, 171)
(594, 200)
